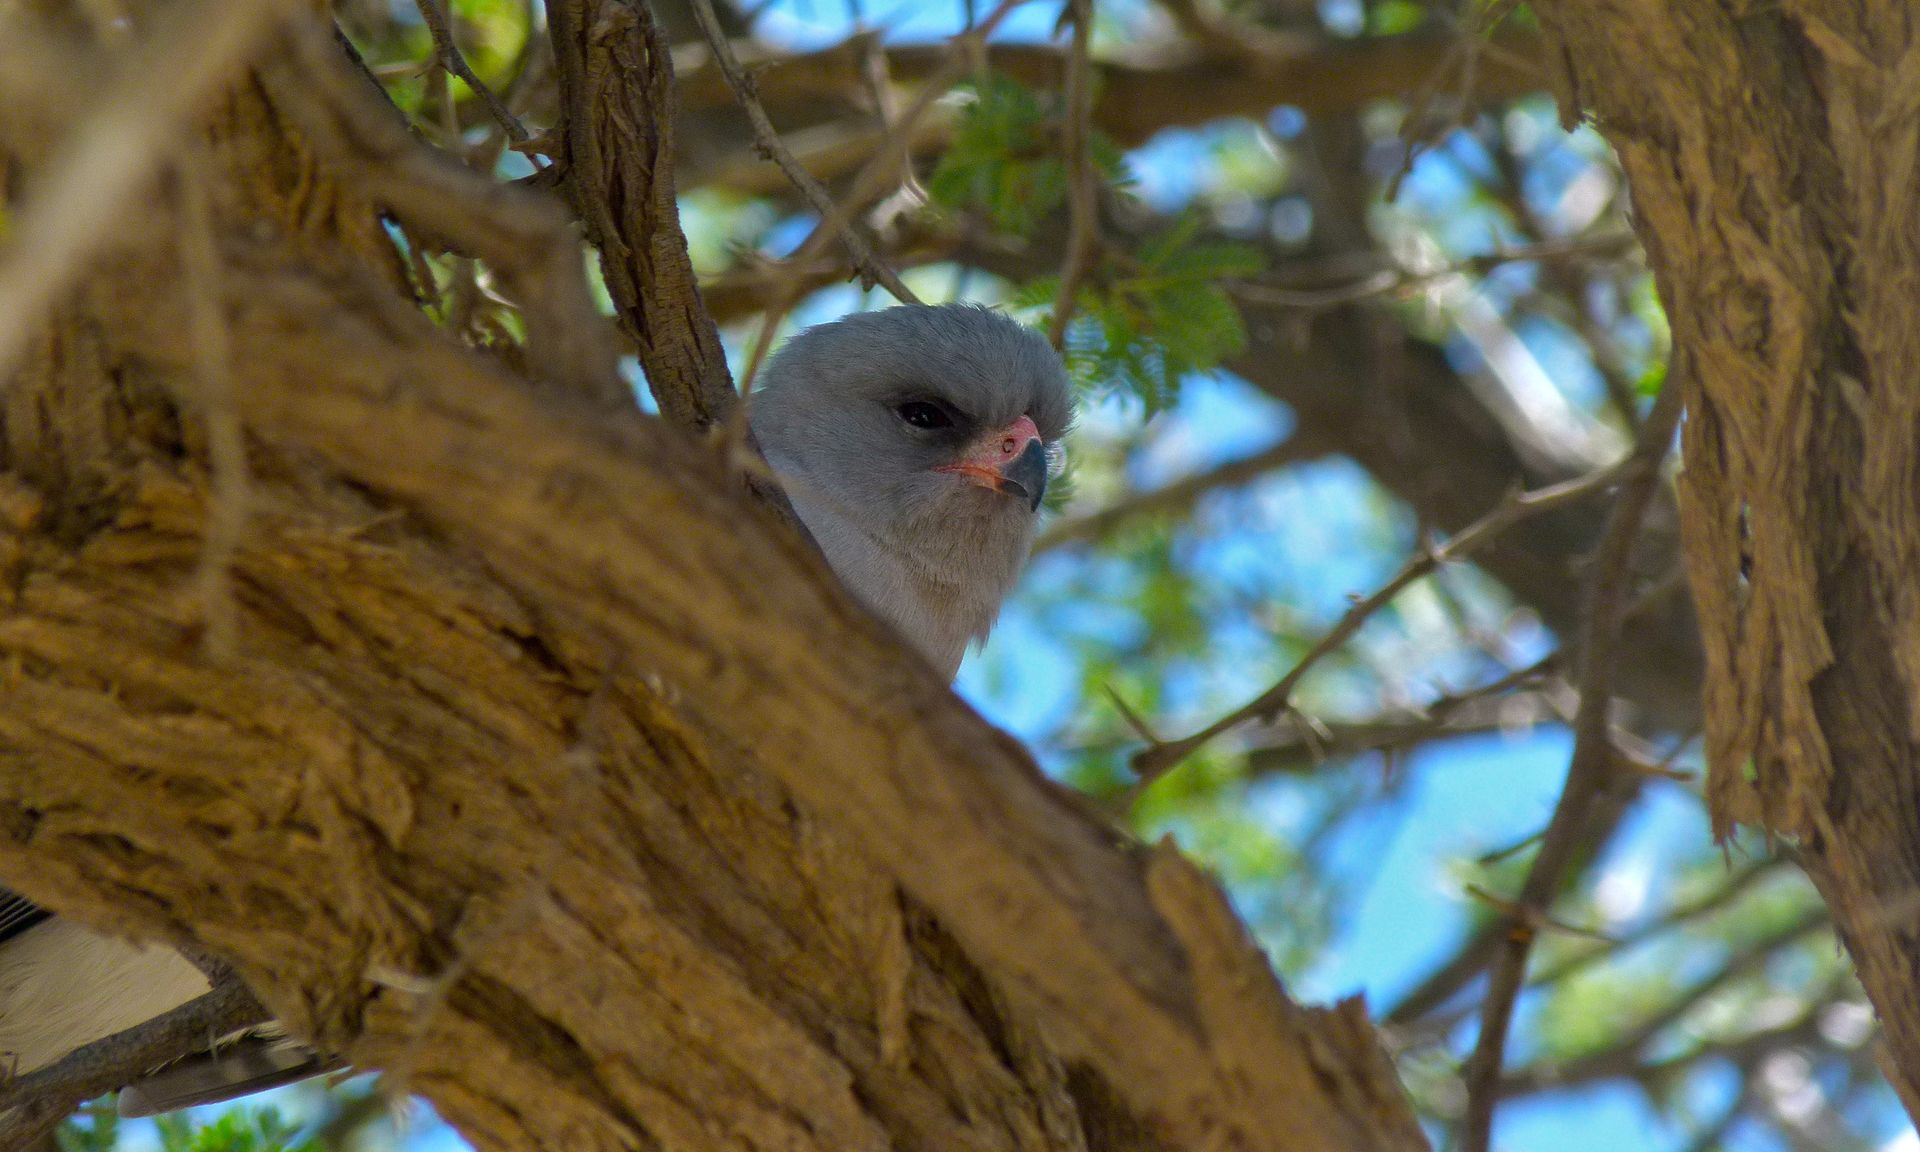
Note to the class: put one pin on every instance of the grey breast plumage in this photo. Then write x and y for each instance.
(915, 443)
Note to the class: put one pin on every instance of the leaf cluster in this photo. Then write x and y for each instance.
(236, 1130)
(1146, 319)
(1007, 159)
(96, 1128)
(1149, 319)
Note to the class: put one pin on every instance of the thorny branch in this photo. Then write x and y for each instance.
(1156, 760)
(1593, 756)
(1178, 495)
(1490, 707)
(617, 106)
(1630, 1051)
(434, 14)
(893, 152)
(1721, 897)
(871, 268)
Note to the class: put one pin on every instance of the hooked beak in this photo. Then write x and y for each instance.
(1027, 476)
(1012, 460)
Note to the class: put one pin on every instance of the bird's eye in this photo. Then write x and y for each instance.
(922, 414)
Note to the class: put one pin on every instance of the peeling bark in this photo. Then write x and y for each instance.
(1772, 155)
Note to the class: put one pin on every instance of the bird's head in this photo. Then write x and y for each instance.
(931, 431)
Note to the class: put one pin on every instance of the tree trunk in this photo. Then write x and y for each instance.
(504, 742)
(1772, 153)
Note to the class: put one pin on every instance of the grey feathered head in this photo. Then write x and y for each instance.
(915, 443)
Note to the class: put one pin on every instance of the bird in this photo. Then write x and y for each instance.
(915, 443)
(63, 986)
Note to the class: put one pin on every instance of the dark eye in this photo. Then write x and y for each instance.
(924, 414)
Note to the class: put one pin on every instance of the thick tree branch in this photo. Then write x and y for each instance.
(617, 95)
(1767, 153)
(625, 537)
(617, 103)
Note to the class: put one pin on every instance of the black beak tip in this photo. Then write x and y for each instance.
(1028, 474)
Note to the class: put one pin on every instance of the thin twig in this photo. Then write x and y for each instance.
(1133, 718)
(214, 395)
(434, 13)
(1630, 1050)
(1722, 896)
(1485, 708)
(1394, 281)
(1592, 764)
(1468, 44)
(763, 343)
(1179, 494)
(1083, 197)
(1536, 921)
(894, 145)
(877, 75)
(872, 269)
(1153, 762)
(463, 287)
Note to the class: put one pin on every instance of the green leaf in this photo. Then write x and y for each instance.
(1006, 159)
(95, 1128)
(1146, 328)
(238, 1130)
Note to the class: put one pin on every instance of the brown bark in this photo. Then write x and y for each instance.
(1771, 151)
(547, 770)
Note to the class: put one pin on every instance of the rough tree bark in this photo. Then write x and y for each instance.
(1772, 152)
(542, 767)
